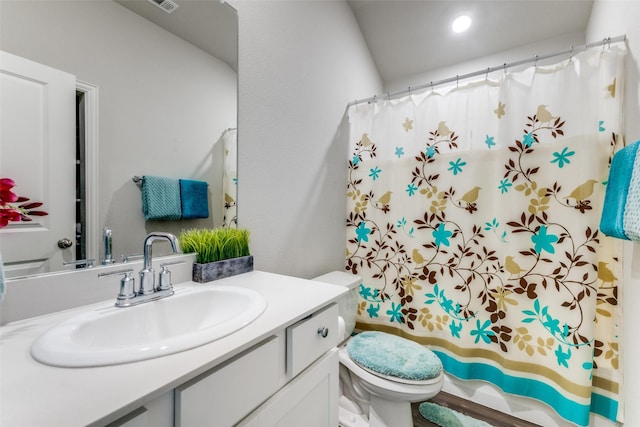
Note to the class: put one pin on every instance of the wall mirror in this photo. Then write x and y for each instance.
(155, 94)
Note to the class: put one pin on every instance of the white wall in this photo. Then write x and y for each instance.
(608, 19)
(163, 102)
(540, 48)
(300, 64)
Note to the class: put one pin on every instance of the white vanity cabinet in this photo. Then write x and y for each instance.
(227, 393)
(310, 399)
(157, 413)
(279, 370)
(291, 378)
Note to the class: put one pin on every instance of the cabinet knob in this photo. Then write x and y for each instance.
(324, 331)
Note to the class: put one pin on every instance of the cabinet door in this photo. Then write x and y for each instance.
(310, 400)
(157, 413)
(226, 394)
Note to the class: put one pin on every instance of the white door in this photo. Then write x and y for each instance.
(37, 151)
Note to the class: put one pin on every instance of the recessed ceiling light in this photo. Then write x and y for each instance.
(461, 24)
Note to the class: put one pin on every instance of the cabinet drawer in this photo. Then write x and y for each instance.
(309, 400)
(225, 395)
(311, 337)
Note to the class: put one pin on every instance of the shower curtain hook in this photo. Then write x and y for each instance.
(431, 85)
(571, 54)
(388, 97)
(409, 90)
(457, 81)
(535, 64)
(505, 68)
(486, 76)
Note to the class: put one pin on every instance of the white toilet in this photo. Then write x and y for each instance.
(380, 374)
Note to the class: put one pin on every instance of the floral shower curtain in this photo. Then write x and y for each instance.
(230, 178)
(473, 216)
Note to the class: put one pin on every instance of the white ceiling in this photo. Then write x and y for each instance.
(409, 37)
(210, 25)
(405, 37)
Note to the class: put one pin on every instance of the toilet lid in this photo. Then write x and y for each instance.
(393, 356)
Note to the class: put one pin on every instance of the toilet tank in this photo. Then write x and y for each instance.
(348, 303)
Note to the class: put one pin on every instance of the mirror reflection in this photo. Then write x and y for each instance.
(151, 94)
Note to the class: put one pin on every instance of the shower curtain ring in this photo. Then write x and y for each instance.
(388, 96)
(486, 76)
(457, 81)
(431, 85)
(505, 68)
(571, 53)
(535, 64)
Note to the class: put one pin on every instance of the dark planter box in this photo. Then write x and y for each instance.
(203, 273)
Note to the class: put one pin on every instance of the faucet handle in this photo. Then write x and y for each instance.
(171, 263)
(130, 257)
(127, 286)
(87, 263)
(164, 277)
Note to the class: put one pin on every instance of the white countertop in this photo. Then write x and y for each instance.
(33, 394)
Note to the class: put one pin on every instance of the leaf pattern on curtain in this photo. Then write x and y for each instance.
(473, 220)
(230, 178)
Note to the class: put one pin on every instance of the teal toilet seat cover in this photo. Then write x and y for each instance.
(393, 356)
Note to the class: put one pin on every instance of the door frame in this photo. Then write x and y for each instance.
(91, 137)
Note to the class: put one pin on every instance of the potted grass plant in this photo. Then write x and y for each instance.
(220, 252)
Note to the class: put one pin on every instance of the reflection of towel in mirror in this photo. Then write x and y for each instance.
(160, 198)
(621, 209)
(195, 199)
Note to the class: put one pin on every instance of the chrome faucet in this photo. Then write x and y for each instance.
(147, 291)
(107, 240)
(147, 274)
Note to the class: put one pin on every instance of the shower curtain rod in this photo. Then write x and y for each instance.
(486, 71)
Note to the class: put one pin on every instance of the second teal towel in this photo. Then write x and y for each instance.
(620, 195)
(195, 199)
(161, 198)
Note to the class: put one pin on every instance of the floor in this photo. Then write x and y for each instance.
(472, 409)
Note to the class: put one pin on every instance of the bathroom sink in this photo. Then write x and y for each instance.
(192, 317)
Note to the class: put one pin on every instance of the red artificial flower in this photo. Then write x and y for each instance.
(11, 213)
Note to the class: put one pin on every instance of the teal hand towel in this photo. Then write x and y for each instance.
(195, 199)
(615, 198)
(161, 198)
(631, 221)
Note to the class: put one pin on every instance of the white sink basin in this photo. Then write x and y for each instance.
(112, 335)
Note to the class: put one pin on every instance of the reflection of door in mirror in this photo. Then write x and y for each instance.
(37, 152)
(164, 101)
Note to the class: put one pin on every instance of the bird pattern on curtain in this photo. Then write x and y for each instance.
(230, 178)
(473, 216)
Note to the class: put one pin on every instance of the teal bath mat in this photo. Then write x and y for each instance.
(446, 417)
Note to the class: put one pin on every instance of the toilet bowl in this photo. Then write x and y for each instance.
(380, 374)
